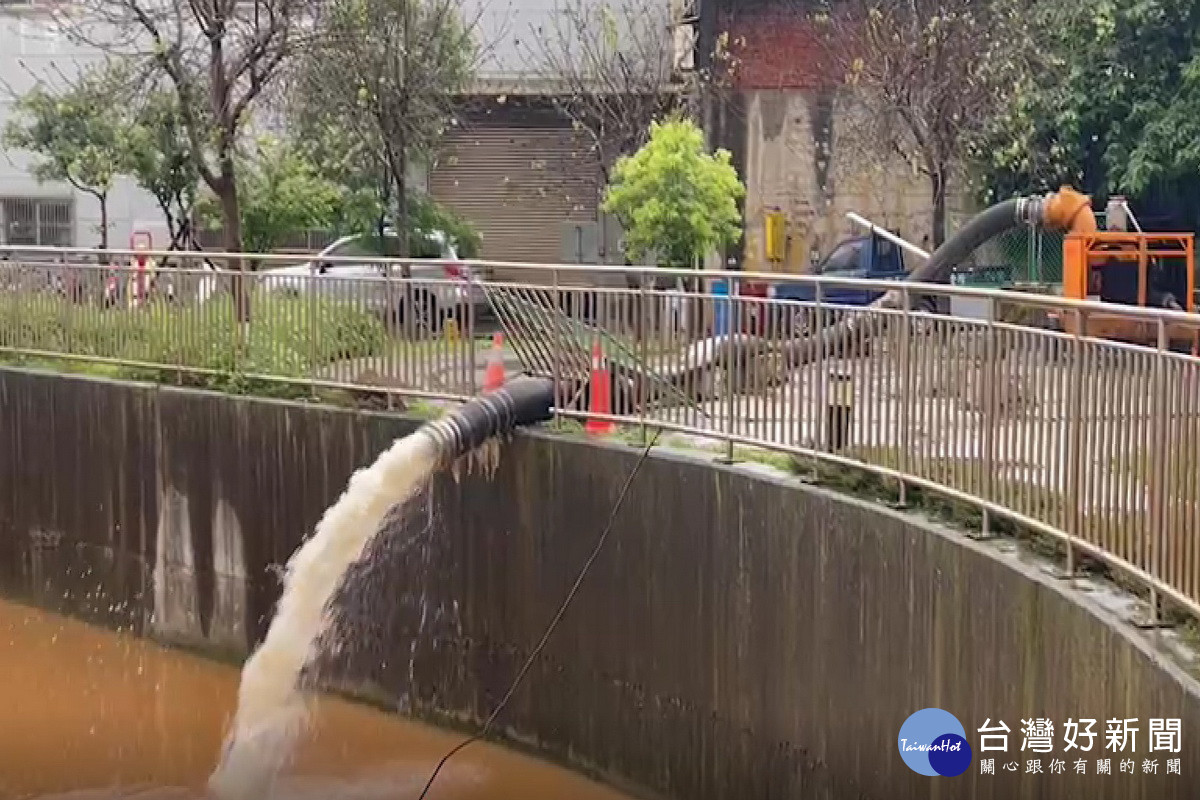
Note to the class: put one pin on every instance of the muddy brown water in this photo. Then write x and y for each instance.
(88, 714)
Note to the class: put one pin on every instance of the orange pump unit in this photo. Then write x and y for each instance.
(1156, 270)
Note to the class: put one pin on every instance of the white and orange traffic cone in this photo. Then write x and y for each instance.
(600, 401)
(493, 378)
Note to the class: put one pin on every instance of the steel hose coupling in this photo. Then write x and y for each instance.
(521, 401)
(1066, 210)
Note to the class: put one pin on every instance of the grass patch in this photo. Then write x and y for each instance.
(286, 338)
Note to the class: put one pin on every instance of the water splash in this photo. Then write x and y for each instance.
(271, 708)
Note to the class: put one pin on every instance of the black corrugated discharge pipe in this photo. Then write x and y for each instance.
(1062, 210)
(983, 226)
(521, 401)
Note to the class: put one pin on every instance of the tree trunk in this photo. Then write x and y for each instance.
(103, 198)
(400, 176)
(231, 221)
(937, 187)
(173, 229)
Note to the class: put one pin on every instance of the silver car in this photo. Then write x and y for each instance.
(440, 289)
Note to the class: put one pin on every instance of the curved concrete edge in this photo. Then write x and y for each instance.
(1111, 604)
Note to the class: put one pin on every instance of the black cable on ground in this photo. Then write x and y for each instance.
(562, 610)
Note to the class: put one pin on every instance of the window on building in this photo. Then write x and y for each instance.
(29, 221)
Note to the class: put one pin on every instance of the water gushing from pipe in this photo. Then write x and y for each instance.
(271, 709)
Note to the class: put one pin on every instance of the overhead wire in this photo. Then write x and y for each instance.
(555, 620)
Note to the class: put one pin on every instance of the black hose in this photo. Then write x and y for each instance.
(983, 226)
(840, 337)
(522, 401)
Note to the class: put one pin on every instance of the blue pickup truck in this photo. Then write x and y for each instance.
(867, 257)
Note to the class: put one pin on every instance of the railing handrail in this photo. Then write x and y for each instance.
(965, 406)
(1032, 299)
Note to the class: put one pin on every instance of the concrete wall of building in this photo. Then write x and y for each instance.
(811, 149)
(742, 635)
(33, 49)
(810, 153)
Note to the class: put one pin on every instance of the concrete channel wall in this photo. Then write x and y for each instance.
(742, 636)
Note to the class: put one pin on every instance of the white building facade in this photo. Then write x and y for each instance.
(33, 48)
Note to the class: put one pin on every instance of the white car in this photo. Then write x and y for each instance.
(441, 288)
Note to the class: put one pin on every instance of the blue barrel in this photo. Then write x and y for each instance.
(722, 310)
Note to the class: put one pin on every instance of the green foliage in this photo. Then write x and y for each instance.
(350, 161)
(395, 61)
(160, 158)
(106, 124)
(290, 337)
(426, 215)
(673, 198)
(1112, 105)
(79, 134)
(379, 84)
(279, 192)
(343, 157)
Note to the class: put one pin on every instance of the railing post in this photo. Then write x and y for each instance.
(313, 325)
(181, 280)
(1159, 448)
(468, 337)
(906, 389)
(822, 378)
(732, 322)
(237, 298)
(68, 304)
(643, 345)
(392, 325)
(990, 416)
(557, 350)
(1075, 442)
(18, 290)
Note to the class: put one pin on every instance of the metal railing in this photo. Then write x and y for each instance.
(1091, 441)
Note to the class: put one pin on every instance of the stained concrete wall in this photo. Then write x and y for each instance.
(740, 636)
(815, 154)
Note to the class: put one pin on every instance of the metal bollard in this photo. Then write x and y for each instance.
(839, 413)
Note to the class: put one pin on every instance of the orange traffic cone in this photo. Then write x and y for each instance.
(601, 396)
(493, 378)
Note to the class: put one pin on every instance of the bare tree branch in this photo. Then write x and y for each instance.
(390, 72)
(932, 72)
(217, 56)
(609, 68)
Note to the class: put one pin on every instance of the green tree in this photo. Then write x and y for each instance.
(349, 158)
(387, 72)
(425, 215)
(280, 192)
(218, 58)
(367, 203)
(1112, 106)
(159, 156)
(79, 135)
(673, 198)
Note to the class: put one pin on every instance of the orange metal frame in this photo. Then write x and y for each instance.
(1082, 251)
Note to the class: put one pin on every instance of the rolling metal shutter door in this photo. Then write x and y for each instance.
(517, 186)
